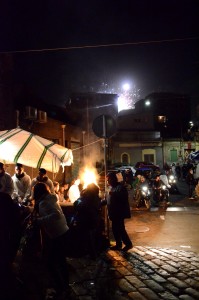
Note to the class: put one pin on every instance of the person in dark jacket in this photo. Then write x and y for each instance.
(191, 183)
(87, 219)
(118, 211)
(10, 233)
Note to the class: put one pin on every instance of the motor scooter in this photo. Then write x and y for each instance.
(142, 197)
(161, 196)
(172, 182)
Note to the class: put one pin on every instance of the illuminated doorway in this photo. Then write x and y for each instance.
(125, 159)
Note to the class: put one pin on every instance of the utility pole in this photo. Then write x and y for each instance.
(63, 135)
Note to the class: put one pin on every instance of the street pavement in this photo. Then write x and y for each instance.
(163, 264)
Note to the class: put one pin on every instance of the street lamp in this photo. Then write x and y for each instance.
(147, 103)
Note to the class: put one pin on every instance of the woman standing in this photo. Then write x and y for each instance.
(54, 235)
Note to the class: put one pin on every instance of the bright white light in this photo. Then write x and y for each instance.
(126, 87)
(127, 92)
(147, 102)
(123, 103)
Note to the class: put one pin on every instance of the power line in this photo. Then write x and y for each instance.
(98, 46)
(99, 140)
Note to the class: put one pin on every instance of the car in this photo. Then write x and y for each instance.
(146, 166)
(126, 168)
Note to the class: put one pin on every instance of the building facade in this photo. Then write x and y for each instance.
(157, 131)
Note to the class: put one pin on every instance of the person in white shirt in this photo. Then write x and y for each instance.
(42, 177)
(22, 182)
(74, 192)
(6, 182)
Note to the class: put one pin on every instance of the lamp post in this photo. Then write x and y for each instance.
(83, 142)
(63, 135)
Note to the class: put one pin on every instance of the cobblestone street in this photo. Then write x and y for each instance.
(142, 273)
(163, 264)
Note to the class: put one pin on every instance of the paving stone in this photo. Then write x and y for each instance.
(146, 269)
(162, 253)
(151, 253)
(158, 278)
(153, 285)
(176, 258)
(185, 297)
(149, 294)
(195, 258)
(186, 264)
(197, 272)
(167, 296)
(193, 283)
(140, 274)
(158, 261)
(130, 267)
(172, 288)
(136, 296)
(181, 276)
(123, 271)
(197, 278)
(185, 258)
(135, 281)
(187, 254)
(139, 252)
(141, 248)
(195, 264)
(174, 264)
(163, 273)
(192, 292)
(125, 286)
(151, 264)
(169, 269)
(178, 283)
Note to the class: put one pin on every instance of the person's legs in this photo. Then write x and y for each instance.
(117, 233)
(56, 264)
(121, 235)
(125, 238)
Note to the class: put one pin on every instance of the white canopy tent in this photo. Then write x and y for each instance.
(20, 146)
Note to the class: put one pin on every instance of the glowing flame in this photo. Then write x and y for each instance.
(88, 175)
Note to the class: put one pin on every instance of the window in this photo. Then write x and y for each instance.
(149, 158)
(125, 158)
(173, 154)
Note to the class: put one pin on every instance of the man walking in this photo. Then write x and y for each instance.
(118, 210)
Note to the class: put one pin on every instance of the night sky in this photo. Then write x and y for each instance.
(148, 62)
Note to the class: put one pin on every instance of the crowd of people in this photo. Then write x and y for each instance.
(163, 182)
(57, 238)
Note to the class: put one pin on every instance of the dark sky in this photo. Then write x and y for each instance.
(150, 66)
